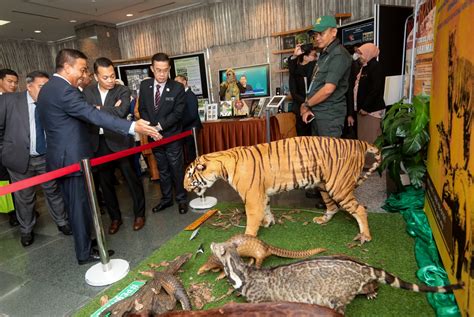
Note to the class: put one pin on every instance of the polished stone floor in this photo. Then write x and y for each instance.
(45, 280)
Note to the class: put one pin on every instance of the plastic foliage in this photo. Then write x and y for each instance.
(404, 140)
(431, 271)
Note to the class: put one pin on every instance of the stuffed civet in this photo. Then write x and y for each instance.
(330, 281)
(257, 172)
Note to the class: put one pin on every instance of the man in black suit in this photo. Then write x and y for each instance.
(23, 154)
(115, 100)
(64, 114)
(190, 119)
(162, 102)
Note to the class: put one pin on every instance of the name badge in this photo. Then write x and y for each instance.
(169, 98)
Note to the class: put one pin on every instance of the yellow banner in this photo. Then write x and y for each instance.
(450, 185)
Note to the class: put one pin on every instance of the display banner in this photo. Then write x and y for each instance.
(450, 184)
(189, 67)
(424, 47)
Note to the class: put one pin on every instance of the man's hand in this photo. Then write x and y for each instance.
(304, 109)
(118, 103)
(307, 116)
(143, 127)
(363, 112)
(350, 121)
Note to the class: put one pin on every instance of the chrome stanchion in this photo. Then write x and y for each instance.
(202, 202)
(108, 271)
(267, 123)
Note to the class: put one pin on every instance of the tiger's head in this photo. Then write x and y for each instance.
(201, 174)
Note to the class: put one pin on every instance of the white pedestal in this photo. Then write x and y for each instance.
(101, 275)
(203, 202)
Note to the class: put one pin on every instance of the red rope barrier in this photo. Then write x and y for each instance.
(43, 178)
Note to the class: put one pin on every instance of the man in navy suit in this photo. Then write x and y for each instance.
(162, 102)
(190, 119)
(64, 114)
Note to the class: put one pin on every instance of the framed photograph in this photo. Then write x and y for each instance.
(241, 108)
(202, 104)
(211, 111)
(259, 109)
(225, 109)
(302, 38)
(288, 42)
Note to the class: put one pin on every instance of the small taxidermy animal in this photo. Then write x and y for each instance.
(330, 281)
(257, 172)
(250, 246)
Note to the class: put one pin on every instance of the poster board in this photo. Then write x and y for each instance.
(192, 66)
(449, 203)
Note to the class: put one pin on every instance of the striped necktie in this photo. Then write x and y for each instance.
(157, 97)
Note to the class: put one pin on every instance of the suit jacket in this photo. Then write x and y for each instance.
(191, 114)
(116, 142)
(16, 139)
(3, 171)
(171, 107)
(64, 114)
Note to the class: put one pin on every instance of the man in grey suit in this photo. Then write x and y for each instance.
(115, 100)
(23, 154)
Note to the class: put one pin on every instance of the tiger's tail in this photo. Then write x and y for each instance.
(378, 160)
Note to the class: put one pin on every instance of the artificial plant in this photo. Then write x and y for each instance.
(404, 140)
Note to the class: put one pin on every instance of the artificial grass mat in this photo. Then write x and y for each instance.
(391, 248)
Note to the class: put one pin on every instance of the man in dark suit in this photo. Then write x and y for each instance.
(115, 100)
(190, 119)
(64, 114)
(162, 102)
(23, 154)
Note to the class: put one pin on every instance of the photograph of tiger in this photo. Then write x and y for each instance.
(332, 165)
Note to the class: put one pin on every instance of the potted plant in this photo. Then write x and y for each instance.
(404, 141)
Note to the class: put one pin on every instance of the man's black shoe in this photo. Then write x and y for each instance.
(162, 206)
(13, 220)
(27, 239)
(183, 208)
(94, 257)
(66, 229)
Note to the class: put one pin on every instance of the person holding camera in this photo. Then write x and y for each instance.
(300, 66)
(325, 106)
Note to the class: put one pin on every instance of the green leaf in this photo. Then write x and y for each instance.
(417, 173)
(421, 107)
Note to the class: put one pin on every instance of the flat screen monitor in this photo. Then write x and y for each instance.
(357, 33)
(257, 78)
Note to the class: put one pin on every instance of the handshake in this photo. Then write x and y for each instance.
(144, 127)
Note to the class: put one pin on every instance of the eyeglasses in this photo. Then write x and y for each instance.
(161, 71)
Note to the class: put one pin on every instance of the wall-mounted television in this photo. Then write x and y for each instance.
(258, 80)
(356, 33)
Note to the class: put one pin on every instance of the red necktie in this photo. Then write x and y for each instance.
(157, 97)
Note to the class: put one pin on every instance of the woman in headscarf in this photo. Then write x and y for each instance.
(368, 93)
(231, 88)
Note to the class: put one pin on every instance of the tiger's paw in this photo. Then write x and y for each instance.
(268, 220)
(321, 220)
(362, 238)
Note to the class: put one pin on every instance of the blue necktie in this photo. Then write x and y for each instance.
(40, 139)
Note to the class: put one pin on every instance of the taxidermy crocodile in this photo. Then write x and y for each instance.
(330, 281)
(250, 246)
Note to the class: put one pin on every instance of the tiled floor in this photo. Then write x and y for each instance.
(45, 280)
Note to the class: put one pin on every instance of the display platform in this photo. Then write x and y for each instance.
(391, 248)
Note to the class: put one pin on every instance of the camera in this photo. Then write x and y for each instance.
(306, 48)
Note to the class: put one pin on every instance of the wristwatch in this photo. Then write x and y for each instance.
(306, 104)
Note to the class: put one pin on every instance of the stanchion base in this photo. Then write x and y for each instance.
(95, 276)
(203, 203)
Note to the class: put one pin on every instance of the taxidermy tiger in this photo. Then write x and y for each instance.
(331, 281)
(257, 172)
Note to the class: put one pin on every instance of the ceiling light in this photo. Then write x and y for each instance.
(129, 14)
(3, 22)
(73, 21)
(37, 31)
